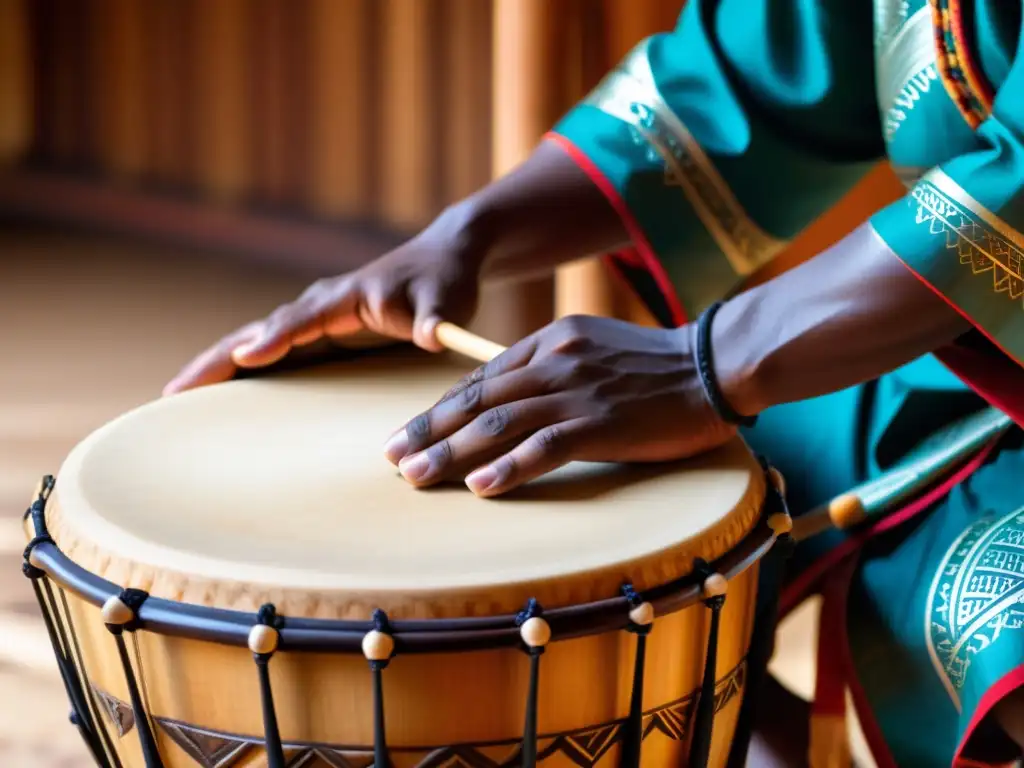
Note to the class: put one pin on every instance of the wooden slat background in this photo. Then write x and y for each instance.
(354, 114)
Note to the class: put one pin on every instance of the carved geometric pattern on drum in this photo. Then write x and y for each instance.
(320, 757)
(977, 597)
(977, 244)
(119, 713)
(470, 757)
(584, 748)
(210, 750)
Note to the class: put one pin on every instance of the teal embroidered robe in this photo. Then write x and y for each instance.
(717, 142)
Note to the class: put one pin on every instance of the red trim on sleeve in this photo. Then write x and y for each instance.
(636, 234)
(1000, 382)
(1002, 688)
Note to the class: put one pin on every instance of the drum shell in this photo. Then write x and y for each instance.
(205, 695)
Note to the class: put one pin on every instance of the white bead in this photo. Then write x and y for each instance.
(263, 639)
(642, 615)
(536, 632)
(115, 612)
(715, 585)
(378, 646)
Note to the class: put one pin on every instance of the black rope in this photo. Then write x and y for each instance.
(87, 690)
(377, 667)
(134, 598)
(275, 751)
(532, 610)
(71, 684)
(76, 689)
(80, 715)
(632, 729)
(528, 757)
(784, 542)
(37, 509)
(704, 718)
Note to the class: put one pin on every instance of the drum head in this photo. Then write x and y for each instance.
(277, 490)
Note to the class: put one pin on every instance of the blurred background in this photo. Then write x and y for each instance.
(169, 170)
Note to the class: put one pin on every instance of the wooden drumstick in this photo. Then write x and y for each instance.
(937, 456)
(465, 343)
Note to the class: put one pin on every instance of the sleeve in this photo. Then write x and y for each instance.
(720, 140)
(960, 229)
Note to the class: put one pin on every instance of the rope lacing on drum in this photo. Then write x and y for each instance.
(121, 613)
(80, 715)
(39, 504)
(780, 521)
(37, 511)
(641, 620)
(263, 641)
(379, 648)
(714, 586)
(536, 634)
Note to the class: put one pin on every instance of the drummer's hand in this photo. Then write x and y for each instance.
(401, 295)
(581, 389)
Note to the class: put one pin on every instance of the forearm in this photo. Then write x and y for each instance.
(543, 213)
(846, 316)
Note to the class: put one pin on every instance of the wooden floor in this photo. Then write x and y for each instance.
(90, 327)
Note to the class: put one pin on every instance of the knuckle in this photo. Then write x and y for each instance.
(462, 385)
(551, 442)
(574, 345)
(418, 430)
(471, 398)
(440, 455)
(480, 373)
(573, 335)
(496, 421)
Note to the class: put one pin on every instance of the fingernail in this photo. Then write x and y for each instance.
(414, 467)
(396, 446)
(479, 480)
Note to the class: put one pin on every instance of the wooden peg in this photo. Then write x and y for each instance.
(642, 615)
(715, 585)
(263, 639)
(378, 646)
(536, 632)
(116, 613)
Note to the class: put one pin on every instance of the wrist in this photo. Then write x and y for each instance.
(465, 230)
(740, 355)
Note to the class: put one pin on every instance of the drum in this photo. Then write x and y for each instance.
(235, 576)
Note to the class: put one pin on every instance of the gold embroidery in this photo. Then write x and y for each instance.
(981, 239)
(976, 596)
(630, 94)
(906, 69)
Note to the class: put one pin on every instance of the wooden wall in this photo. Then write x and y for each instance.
(350, 115)
(347, 109)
